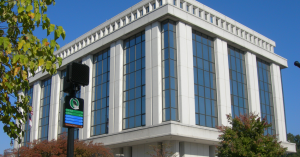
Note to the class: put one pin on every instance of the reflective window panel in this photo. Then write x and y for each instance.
(134, 81)
(238, 82)
(204, 80)
(100, 96)
(265, 94)
(44, 109)
(169, 71)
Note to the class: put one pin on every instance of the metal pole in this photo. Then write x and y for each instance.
(70, 142)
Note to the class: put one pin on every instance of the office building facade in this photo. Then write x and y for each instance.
(165, 71)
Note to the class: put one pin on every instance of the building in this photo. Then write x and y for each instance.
(165, 71)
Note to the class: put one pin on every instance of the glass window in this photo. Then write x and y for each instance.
(238, 82)
(129, 18)
(135, 16)
(160, 2)
(118, 24)
(206, 113)
(124, 22)
(199, 13)
(193, 10)
(181, 5)
(169, 71)
(187, 8)
(28, 123)
(134, 82)
(44, 109)
(147, 9)
(265, 94)
(174, 2)
(100, 96)
(153, 6)
(211, 19)
(61, 129)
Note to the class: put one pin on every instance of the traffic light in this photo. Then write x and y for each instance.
(77, 75)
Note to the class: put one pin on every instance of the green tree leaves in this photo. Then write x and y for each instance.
(22, 52)
(246, 138)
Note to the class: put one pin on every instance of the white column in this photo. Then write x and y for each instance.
(222, 81)
(118, 87)
(54, 106)
(185, 77)
(252, 83)
(156, 73)
(111, 88)
(278, 102)
(149, 97)
(86, 94)
(34, 132)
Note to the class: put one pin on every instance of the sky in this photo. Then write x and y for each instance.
(276, 19)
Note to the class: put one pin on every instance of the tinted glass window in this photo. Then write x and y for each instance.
(134, 81)
(169, 71)
(44, 110)
(100, 96)
(238, 82)
(204, 80)
(265, 95)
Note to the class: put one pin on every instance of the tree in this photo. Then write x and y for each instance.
(21, 52)
(294, 139)
(59, 148)
(245, 138)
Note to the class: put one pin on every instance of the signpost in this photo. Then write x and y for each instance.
(73, 112)
(77, 75)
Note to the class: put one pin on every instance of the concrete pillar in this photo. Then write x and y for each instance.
(156, 72)
(111, 88)
(36, 100)
(54, 106)
(252, 83)
(186, 95)
(149, 89)
(222, 81)
(278, 102)
(118, 87)
(86, 94)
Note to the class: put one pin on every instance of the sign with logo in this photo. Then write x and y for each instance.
(73, 112)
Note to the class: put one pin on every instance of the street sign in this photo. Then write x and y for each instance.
(73, 112)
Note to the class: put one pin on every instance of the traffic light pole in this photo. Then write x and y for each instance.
(70, 142)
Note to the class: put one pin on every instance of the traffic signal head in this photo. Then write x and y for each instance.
(77, 75)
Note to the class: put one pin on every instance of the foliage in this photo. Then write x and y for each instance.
(294, 139)
(246, 138)
(161, 150)
(21, 52)
(58, 148)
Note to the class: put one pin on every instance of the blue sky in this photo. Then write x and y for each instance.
(275, 19)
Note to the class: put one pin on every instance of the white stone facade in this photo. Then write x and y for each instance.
(187, 138)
